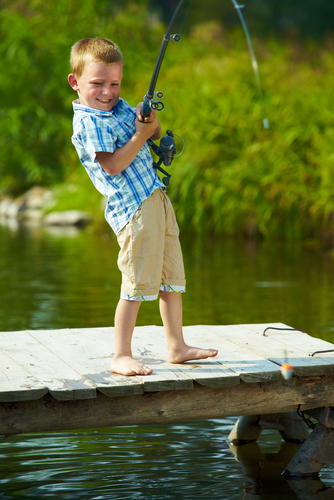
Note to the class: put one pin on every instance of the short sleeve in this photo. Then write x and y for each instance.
(93, 135)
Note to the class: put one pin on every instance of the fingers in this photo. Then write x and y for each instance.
(148, 119)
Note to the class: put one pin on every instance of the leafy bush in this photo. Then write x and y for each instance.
(234, 177)
(36, 113)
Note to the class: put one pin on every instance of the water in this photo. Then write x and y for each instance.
(69, 279)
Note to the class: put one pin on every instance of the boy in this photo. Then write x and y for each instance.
(110, 139)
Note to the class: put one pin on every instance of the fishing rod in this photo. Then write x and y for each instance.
(167, 149)
(149, 101)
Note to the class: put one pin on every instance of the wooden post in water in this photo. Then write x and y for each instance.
(317, 450)
(248, 428)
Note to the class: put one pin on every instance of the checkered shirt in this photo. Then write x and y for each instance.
(94, 131)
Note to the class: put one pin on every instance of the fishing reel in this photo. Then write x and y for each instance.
(166, 153)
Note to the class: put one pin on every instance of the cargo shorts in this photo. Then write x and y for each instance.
(150, 258)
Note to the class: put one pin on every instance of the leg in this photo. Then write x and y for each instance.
(125, 320)
(171, 313)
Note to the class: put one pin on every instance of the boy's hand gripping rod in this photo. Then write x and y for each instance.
(166, 151)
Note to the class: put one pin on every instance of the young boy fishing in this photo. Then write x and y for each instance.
(110, 138)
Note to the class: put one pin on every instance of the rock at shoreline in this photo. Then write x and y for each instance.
(68, 218)
(32, 206)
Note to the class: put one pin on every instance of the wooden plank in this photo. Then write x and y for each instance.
(16, 384)
(60, 379)
(101, 340)
(249, 366)
(206, 372)
(299, 339)
(92, 364)
(74, 363)
(261, 327)
(165, 377)
(202, 402)
(290, 336)
(275, 350)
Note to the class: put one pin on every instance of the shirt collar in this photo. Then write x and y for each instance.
(80, 107)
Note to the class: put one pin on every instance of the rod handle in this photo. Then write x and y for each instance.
(146, 111)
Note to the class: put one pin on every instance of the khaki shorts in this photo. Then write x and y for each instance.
(150, 258)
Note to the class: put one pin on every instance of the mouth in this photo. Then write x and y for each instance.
(104, 101)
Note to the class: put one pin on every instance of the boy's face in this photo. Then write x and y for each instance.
(99, 85)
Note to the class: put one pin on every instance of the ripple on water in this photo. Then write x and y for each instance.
(181, 461)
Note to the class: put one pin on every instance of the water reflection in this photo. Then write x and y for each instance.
(311, 489)
(183, 461)
(265, 469)
(65, 278)
(51, 279)
(180, 461)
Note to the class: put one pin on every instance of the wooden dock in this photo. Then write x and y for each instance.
(61, 380)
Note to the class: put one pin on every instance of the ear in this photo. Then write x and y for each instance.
(72, 80)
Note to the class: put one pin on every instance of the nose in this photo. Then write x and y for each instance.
(105, 90)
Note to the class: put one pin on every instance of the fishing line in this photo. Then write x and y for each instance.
(185, 15)
(238, 8)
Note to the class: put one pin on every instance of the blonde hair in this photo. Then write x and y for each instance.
(99, 50)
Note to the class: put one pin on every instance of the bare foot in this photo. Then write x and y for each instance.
(126, 365)
(190, 353)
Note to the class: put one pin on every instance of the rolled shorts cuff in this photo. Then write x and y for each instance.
(172, 288)
(163, 288)
(138, 298)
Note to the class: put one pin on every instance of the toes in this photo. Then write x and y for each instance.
(130, 367)
(143, 370)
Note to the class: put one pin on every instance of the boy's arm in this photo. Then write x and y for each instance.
(120, 159)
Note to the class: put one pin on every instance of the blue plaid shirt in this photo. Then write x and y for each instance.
(95, 130)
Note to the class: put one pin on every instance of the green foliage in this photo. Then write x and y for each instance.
(35, 116)
(234, 177)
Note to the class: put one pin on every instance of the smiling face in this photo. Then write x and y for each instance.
(99, 85)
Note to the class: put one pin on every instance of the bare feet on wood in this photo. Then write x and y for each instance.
(188, 353)
(126, 365)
